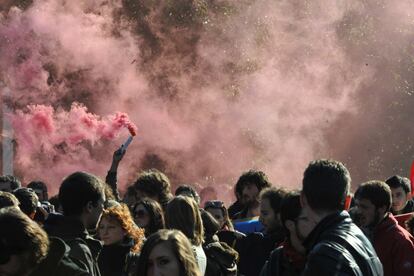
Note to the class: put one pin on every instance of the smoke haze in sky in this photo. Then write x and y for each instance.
(215, 87)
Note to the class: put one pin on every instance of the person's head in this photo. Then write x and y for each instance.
(294, 221)
(206, 194)
(8, 200)
(372, 201)
(325, 186)
(117, 226)
(217, 209)
(9, 183)
(270, 202)
(250, 184)
(28, 200)
(400, 190)
(167, 252)
(40, 188)
(82, 195)
(149, 215)
(186, 190)
(183, 214)
(23, 243)
(130, 198)
(153, 184)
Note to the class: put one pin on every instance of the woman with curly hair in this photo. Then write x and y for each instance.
(149, 215)
(122, 240)
(167, 252)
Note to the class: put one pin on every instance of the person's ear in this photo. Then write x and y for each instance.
(383, 210)
(408, 196)
(89, 207)
(303, 200)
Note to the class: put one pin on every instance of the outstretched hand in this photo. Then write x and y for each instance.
(118, 155)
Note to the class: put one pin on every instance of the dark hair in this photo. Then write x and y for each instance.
(217, 204)
(183, 214)
(258, 178)
(38, 185)
(19, 234)
(154, 184)
(188, 190)
(326, 185)
(14, 181)
(290, 208)
(378, 192)
(28, 200)
(8, 200)
(397, 181)
(77, 190)
(155, 214)
(180, 246)
(275, 197)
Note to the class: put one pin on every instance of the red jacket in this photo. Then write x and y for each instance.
(395, 248)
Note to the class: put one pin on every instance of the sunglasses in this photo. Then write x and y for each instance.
(140, 214)
(214, 204)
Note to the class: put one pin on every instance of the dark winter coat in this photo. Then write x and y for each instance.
(58, 262)
(83, 248)
(118, 260)
(284, 261)
(336, 246)
(255, 249)
(395, 247)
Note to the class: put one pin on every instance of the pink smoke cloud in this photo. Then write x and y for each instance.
(216, 87)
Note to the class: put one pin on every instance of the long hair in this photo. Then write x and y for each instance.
(121, 214)
(155, 214)
(180, 246)
(183, 214)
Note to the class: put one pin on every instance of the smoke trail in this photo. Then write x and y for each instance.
(216, 87)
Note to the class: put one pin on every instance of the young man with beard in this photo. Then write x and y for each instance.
(289, 259)
(250, 184)
(255, 248)
(335, 246)
(82, 198)
(393, 244)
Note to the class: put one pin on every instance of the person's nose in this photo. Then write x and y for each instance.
(157, 271)
(105, 231)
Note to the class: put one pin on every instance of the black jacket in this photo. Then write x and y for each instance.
(58, 262)
(255, 249)
(118, 260)
(278, 265)
(336, 246)
(83, 248)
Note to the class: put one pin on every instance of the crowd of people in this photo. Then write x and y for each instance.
(321, 229)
